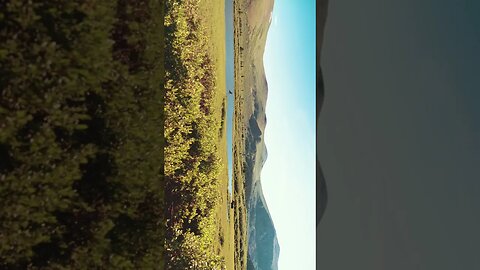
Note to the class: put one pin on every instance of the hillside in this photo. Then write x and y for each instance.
(253, 21)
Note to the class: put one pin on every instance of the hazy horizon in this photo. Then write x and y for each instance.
(288, 176)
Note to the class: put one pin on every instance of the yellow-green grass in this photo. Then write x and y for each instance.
(233, 230)
(239, 130)
(224, 232)
(214, 15)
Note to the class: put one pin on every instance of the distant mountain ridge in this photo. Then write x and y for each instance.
(263, 246)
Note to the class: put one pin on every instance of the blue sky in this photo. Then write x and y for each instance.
(288, 176)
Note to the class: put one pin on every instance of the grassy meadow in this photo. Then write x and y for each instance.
(239, 135)
(200, 233)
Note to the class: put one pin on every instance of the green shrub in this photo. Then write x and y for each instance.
(81, 134)
(191, 133)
